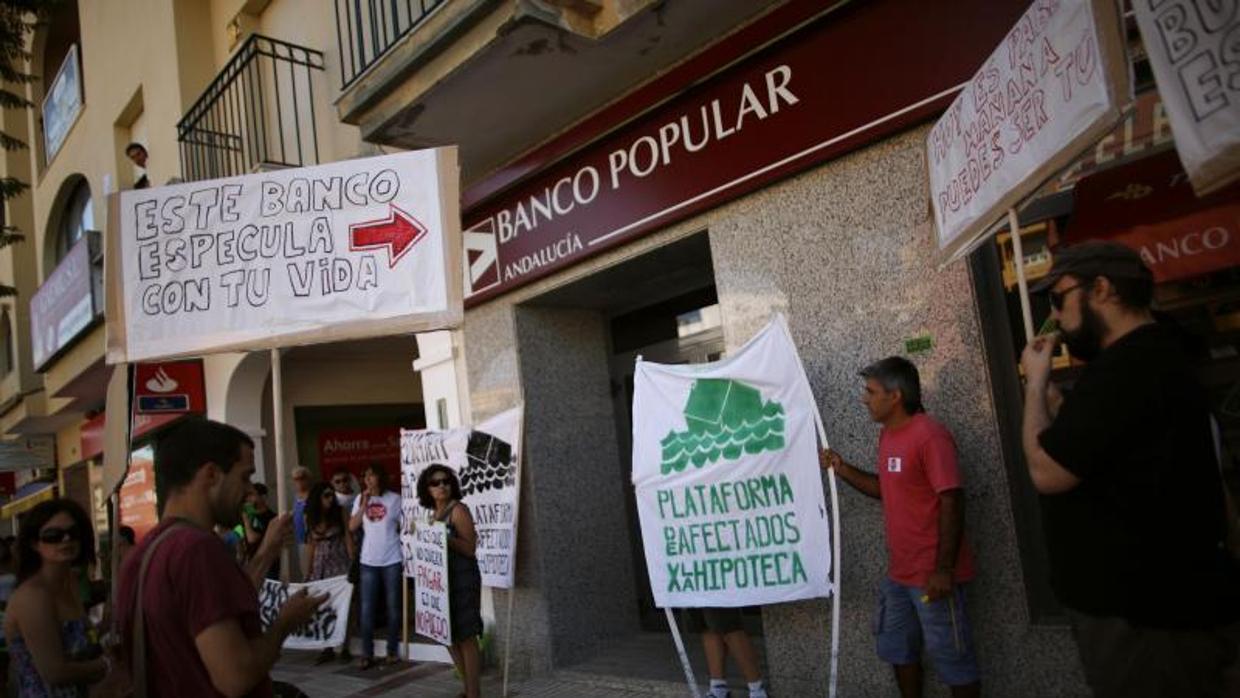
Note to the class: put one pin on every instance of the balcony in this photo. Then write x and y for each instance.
(497, 77)
(366, 29)
(257, 114)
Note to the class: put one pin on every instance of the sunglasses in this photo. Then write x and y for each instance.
(439, 482)
(1057, 297)
(53, 535)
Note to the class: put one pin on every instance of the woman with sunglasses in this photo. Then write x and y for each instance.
(440, 491)
(50, 644)
(328, 543)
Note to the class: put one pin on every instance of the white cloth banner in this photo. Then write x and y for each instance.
(353, 249)
(330, 624)
(1194, 49)
(431, 611)
(486, 459)
(729, 492)
(1053, 86)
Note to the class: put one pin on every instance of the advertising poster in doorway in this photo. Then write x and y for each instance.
(725, 466)
(486, 459)
(348, 250)
(354, 449)
(138, 510)
(431, 612)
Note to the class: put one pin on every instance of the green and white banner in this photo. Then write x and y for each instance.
(725, 465)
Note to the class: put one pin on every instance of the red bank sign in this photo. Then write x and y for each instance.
(354, 449)
(862, 72)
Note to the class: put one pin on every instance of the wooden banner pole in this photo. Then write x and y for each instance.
(512, 594)
(684, 656)
(1018, 253)
(277, 415)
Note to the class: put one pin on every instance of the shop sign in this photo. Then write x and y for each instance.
(137, 493)
(349, 250)
(159, 387)
(170, 387)
(821, 92)
(64, 306)
(1051, 88)
(62, 105)
(27, 453)
(1194, 50)
(1143, 131)
(354, 449)
(1150, 206)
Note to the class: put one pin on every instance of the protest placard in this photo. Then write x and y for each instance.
(328, 627)
(1055, 85)
(486, 459)
(1194, 50)
(352, 249)
(431, 610)
(725, 466)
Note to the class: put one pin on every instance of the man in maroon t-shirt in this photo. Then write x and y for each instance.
(202, 633)
(921, 600)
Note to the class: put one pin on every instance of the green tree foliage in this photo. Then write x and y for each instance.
(18, 19)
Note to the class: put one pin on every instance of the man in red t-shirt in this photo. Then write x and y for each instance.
(921, 601)
(203, 636)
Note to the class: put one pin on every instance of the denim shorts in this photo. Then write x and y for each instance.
(903, 624)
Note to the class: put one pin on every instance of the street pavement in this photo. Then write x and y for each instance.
(429, 680)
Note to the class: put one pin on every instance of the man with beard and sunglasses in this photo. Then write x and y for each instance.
(1132, 499)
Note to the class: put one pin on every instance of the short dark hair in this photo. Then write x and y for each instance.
(190, 444)
(127, 534)
(898, 373)
(135, 146)
(28, 559)
(424, 485)
(260, 489)
(1133, 294)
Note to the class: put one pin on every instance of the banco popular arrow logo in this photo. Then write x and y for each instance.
(398, 232)
(725, 418)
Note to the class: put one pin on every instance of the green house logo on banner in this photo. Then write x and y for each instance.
(725, 418)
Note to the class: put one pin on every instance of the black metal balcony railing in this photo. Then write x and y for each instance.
(259, 111)
(365, 29)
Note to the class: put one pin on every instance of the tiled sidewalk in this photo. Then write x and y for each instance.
(427, 680)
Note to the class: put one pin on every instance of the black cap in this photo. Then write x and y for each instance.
(1095, 258)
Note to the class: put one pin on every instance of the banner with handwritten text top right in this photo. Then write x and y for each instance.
(1053, 87)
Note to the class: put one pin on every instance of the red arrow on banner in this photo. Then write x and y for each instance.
(398, 232)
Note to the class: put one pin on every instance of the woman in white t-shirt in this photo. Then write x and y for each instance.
(377, 511)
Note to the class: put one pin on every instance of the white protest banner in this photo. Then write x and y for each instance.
(431, 611)
(1194, 49)
(353, 249)
(330, 623)
(486, 459)
(725, 465)
(1055, 85)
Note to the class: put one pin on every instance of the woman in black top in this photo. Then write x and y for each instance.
(440, 491)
